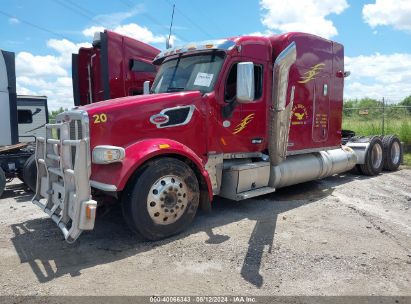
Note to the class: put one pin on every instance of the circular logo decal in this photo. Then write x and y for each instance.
(159, 119)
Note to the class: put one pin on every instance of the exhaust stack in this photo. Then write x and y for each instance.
(280, 113)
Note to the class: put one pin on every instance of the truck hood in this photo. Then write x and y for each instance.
(124, 121)
(140, 100)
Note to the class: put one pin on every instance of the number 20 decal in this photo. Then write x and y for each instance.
(100, 118)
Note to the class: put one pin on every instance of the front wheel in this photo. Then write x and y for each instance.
(30, 173)
(162, 200)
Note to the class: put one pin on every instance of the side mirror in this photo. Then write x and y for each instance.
(245, 82)
(146, 87)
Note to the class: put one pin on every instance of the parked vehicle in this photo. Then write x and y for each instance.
(237, 118)
(115, 66)
(22, 119)
(32, 116)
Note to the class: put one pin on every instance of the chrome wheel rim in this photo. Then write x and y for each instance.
(395, 152)
(167, 200)
(376, 156)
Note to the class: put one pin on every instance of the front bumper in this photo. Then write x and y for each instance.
(63, 174)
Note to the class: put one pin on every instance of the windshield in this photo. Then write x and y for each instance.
(191, 73)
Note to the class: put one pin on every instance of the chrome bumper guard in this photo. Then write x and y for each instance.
(63, 178)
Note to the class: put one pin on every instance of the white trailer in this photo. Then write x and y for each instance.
(32, 116)
(22, 119)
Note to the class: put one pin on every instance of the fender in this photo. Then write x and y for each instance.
(118, 174)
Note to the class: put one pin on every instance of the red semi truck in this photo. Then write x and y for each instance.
(115, 66)
(235, 118)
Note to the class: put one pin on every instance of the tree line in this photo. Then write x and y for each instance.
(369, 107)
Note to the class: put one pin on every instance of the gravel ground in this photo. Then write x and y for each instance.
(344, 235)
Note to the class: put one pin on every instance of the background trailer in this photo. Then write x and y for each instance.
(22, 119)
(32, 115)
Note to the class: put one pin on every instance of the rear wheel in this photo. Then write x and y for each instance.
(392, 152)
(30, 173)
(163, 199)
(2, 181)
(374, 159)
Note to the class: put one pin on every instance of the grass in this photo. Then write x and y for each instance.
(361, 126)
(398, 126)
(407, 158)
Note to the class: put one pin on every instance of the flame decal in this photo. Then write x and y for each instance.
(312, 73)
(243, 124)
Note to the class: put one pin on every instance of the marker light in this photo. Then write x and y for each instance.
(108, 154)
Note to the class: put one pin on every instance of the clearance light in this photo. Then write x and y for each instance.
(209, 46)
(108, 154)
(164, 146)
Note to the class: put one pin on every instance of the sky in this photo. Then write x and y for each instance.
(376, 35)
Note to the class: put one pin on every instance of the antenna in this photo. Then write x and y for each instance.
(171, 25)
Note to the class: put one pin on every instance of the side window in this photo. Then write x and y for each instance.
(24, 116)
(140, 66)
(231, 82)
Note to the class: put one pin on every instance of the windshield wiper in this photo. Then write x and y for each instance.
(174, 89)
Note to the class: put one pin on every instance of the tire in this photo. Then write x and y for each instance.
(359, 169)
(30, 173)
(374, 159)
(162, 200)
(392, 152)
(2, 181)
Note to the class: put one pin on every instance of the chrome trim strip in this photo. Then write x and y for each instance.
(304, 151)
(102, 186)
(242, 155)
(189, 116)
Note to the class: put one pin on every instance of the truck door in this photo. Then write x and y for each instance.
(244, 124)
(321, 109)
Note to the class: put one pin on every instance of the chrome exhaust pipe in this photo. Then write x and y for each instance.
(307, 167)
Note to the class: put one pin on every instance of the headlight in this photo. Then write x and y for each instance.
(108, 154)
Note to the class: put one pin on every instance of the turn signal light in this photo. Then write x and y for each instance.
(108, 154)
(88, 211)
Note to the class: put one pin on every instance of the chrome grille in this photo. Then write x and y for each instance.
(76, 130)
